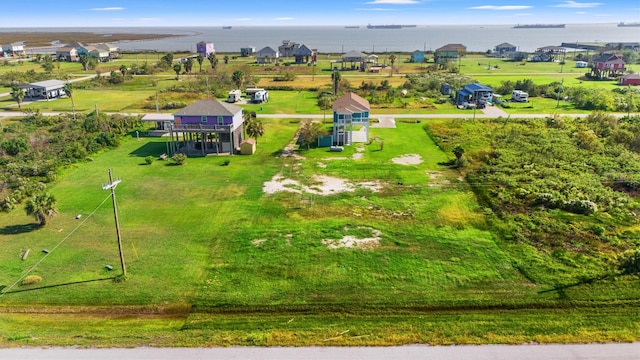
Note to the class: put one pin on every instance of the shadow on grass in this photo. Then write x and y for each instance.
(561, 289)
(54, 286)
(150, 149)
(19, 229)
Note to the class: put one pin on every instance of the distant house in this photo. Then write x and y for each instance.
(207, 127)
(630, 79)
(417, 56)
(449, 53)
(504, 49)
(205, 48)
(267, 55)
(518, 56)
(349, 111)
(48, 89)
(304, 55)
(607, 65)
(356, 59)
(247, 51)
(475, 94)
(13, 50)
(549, 54)
(581, 64)
(635, 46)
(114, 51)
(67, 54)
(288, 48)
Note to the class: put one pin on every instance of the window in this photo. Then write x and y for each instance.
(220, 120)
(203, 118)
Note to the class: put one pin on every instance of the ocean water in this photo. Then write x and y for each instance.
(336, 39)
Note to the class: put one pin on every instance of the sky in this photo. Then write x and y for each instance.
(127, 13)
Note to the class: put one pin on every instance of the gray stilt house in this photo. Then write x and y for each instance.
(206, 127)
(349, 112)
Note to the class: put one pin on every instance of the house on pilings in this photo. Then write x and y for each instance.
(350, 112)
(607, 65)
(207, 127)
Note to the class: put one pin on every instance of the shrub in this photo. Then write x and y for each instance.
(179, 159)
(31, 280)
(148, 160)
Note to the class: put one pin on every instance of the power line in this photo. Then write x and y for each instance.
(55, 247)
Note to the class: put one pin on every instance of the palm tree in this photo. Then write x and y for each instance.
(392, 59)
(226, 59)
(458, 151)
(84, 60)
(177, 67)
(68, 89)
(188, 65)
(238, 78)
(200, 59)
(17, 94)
(255, 129)
(41, 206)
(213, 60)
(123, 70)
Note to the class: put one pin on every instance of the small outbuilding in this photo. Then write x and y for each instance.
(630, 79)
(248, 147)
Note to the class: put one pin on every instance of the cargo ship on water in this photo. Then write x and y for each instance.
(629, 24)
(389, 26)
(539, 26)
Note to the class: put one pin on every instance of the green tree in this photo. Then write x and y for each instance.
(392, 60)
(255, 128)
(458, 151)
(167, 60)
(18, 95)
(68, 89)
(309, 133)
(188, 65)
(226, 59)
(200, 60)
(629, 262)
(41, 206)
(238, 78)
(213, 60)
(177, 68)
(84, 60)
(123, 70)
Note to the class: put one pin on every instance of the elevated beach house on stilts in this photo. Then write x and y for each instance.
(206, 127)
(349, 112)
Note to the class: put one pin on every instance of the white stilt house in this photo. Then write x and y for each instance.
(349, 112)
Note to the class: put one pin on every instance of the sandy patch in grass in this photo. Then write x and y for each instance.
(435, 176)
(323, 185)
(353, 242)
(258, 242)
(408, 159)
(336, 158)
(322, 165)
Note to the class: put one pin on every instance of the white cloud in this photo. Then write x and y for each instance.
(577, 5)
(108, 9)
(501, 7)
(374, 9)
(393, 2)
(284, 19)
(581, 12)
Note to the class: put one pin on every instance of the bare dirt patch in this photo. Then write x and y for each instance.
(258, 242)
(353, 242)
(408, 159)
(435, 177)
(323, 185)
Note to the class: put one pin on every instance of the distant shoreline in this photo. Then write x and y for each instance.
(48, 39)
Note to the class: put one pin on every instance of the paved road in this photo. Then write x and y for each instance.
(485, 352)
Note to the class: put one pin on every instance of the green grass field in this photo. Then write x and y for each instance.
(215, 260)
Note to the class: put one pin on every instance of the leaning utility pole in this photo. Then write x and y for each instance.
(112, 186)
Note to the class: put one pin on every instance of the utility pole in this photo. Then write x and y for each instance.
(112, 186)
(560, 94)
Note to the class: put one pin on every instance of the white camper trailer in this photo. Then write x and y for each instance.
(234, 96)
(519, 96)
(260, 96)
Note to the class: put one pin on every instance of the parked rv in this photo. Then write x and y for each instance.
(251, 91)
(519, 96)
(234, 96)
(260, 96)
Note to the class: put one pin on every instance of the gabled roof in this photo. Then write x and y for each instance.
(453, 47)
(104, 47)
(88, 47)
(350, 103)
(354, 54)
(64, 50)
(607, 57)
(505, 45)
(209, 107)
(267, 49)
(631, 77)
(303, 50)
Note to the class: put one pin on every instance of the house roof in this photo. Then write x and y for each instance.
(303, 50)
(47, 84)
(157, 117)
(354, 54)
(607, 57)
(248, 141)
(631, 77)
(505, 45)
(267, 49)
(452, 47)
(477, 87)
(209, 107)
(65, 49)
(350, 103)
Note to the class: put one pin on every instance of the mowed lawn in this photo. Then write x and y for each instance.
(208, 235)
